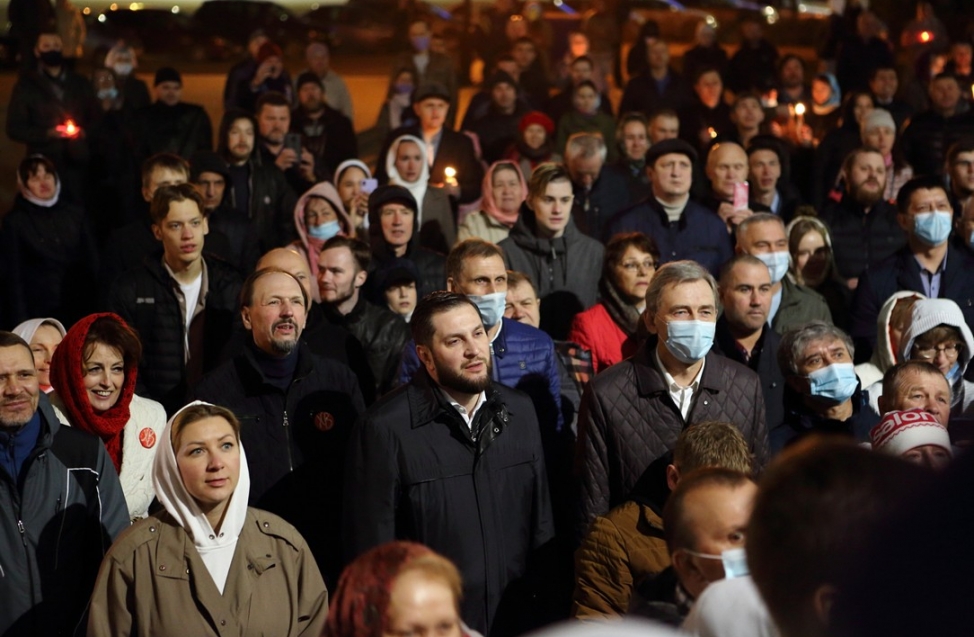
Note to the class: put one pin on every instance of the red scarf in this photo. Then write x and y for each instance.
(67, 378)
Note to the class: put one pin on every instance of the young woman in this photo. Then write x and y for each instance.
(585, 117)
(535, 143)
(318, 216)
(93, 373)
(407, 166)
(208, 564)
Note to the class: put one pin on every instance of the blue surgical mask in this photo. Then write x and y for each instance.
(107, 93)
(953, 374)
(836, 382)
(777, 263)
(970, 240)
(123, 68)
(689, 341)
(933, 228)
(491, 306)
(421, 43)
(325, 231)
(734, 561)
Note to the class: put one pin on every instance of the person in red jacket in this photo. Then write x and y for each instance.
(608, 328)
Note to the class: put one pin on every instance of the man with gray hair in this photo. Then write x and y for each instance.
(633, 412)
(762, 235)
(599, 193)
(822, 392)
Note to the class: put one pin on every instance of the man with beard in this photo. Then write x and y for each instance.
(273, 114)
(171, 125)
(454, 460)
(297, 410)
(343, 268)
(864, 226)
(257, 190)
(327, 134)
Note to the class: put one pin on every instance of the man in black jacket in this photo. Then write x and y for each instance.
(454, 461)
(171, 125)
(296, 409)
(659, 87)
(743, 334)
(343, 268)
(947, 121)
(182, 303)
(327, 133)
(599, 193)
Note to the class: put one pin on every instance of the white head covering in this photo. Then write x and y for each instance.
(31, 197)
(216, 550)
(624, 627)
(416, 188)
(27, 329)
(928, 314)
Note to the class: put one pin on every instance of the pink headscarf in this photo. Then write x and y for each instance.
(488, 204)
(311, 245)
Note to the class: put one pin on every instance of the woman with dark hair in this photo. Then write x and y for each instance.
(48, 258)
(813, 265)
(396, 589)
(207, 564)
(94, 374)
(318, 216)
(587, 117)
(535, 143)
(608, 329)
(397, 110)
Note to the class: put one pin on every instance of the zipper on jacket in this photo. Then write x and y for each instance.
(23, 532)
(287, 434)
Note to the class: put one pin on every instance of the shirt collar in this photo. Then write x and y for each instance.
(468, 418)
(671, 384)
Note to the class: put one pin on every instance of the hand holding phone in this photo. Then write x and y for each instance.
(293, 142)
(369, 185)
(741, 196)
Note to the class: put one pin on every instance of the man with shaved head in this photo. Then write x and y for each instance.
(727, 166)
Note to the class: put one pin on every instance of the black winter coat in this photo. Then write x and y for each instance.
(146, 298)
(643, 95)
(416, 472)
(455, 149)
(628, 422)
(858, 238)
(928, 137)
(271, 206)
(182, 129)
(48, 263)
(296, 441)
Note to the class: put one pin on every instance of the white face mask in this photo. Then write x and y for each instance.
(123, 68)
(777, 263)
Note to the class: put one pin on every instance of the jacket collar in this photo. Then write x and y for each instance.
(727, 344)
(649, 378)
(252, 369)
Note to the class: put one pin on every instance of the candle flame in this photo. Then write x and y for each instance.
(450, 172)
(799, 109)
(925, 36)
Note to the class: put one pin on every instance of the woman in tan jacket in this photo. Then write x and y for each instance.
(208, 565)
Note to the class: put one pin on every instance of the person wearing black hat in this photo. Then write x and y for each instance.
(449, 148)
(170, 125)
(497, 128)
(396, 286)
(235, 234)
(682, 229)
(394, 234)
(327, 134)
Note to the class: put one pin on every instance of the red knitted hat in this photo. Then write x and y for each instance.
(539, 118)
(900, 431)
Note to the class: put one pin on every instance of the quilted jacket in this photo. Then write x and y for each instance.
(622, 549)
(628, 421)
(523, 357)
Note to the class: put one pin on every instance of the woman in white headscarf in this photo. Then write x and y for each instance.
(407, 165)
(43, 335)
(208, 564)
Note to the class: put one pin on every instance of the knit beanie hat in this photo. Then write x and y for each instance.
(539, 118)
(878, 118)
(900, 431)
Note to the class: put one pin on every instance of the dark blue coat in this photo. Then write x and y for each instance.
(699, 234)
(902, 272)
(523, 357)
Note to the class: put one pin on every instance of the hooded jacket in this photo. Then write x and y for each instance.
(170, 574)
(884, 355)
(69, 508)
(431, 264)
(437, 225)
(571, 263)
(308, 246)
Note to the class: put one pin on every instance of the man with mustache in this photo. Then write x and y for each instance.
(864, 226)
(454, 460)
(296, 411)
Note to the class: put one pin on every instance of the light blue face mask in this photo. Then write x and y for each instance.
(420, 42)
(734, 560)
(491, 307)
(689, 341)
(933, 228)
(836, 382)
(325, 231)
(970, 240)
(953, 374)
(777, 263)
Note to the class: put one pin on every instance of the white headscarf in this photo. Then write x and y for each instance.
(215, 549)
(27, 329)
(418, 187)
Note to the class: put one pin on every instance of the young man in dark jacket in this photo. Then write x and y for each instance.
(297, 410)
(182, 304)
(61, 505)
(454, 460)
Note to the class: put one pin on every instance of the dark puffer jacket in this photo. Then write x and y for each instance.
(296, 441)
(431, 264)
(858, 238)
(524, 358)
(146, 298)
(628, 421)
(380, 332)
(565, 271)
(929, 135)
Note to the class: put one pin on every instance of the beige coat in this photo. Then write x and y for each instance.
(154, 583)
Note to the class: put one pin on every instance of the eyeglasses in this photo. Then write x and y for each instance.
(950, 350)
(632, 266)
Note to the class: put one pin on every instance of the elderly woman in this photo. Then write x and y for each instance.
(43, 335)
(48, 258)
(407, 166)
(608, 329)
(399, 588)
(94, 373)
(318, 216)
(504, 190)
(207, 564)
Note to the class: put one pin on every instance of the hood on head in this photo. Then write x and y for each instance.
(327, 191)
(928, 314)
(884, 357)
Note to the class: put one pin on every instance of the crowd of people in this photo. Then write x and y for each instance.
(696, 360)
